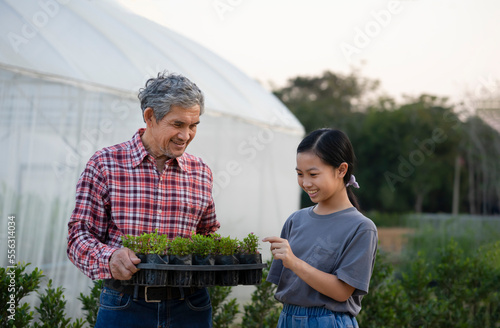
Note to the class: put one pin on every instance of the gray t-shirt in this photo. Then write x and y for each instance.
(343, 243)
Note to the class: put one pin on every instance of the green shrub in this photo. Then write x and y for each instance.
(24, 284)
(50, 312)
(264, 310)
(452, 287)
(447, 289)
(52, 309)
(223, 311)
(386, 304)
(91, 302)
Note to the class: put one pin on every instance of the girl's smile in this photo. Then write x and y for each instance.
(322, 182)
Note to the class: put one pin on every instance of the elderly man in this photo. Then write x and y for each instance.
(141, 185)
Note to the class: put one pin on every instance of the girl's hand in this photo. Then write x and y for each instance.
(281, 251)
(325, 283)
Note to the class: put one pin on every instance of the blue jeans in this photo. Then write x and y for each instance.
(120, 310)
(294, 316)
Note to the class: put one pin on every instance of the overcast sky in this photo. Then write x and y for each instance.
(445, 47)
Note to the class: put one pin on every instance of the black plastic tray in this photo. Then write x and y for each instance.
(152, 274)
(173, 267)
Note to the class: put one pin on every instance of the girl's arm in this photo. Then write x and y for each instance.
(325, 283)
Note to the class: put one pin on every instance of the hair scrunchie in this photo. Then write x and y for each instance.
(352, 182)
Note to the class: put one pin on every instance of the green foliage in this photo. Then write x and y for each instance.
(405, 151)
(225, 245)
(320, 101)
(264, 310)
(202, 245)
(52, 309)
(91, 302)
(153, 243)
(147, 243)
(24, 284)
(386, 303)
(433, 233)
(249, 244)
(450, 290)
(387, 219)
(50, 312)
(447, 286)
(410, 157)
(223, 311)
(180, 246)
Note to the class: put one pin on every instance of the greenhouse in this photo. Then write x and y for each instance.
(69, 75)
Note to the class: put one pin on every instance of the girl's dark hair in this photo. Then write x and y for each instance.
(333, 147)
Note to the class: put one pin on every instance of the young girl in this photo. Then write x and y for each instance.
(325, 256)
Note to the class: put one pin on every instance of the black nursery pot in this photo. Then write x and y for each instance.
(203, 278)
(141, 256)
(180, 278)
(250, 276)
(226, 277)
(151, 277)
(155, 259)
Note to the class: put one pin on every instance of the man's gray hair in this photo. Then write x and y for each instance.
(162, 92)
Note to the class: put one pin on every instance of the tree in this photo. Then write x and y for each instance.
(326, 100)
(414, 156)
(406, 154)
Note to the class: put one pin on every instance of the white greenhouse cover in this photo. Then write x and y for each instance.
(103, 43)
(69, 76)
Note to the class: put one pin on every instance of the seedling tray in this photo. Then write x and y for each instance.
(152, 274)
(172, 267)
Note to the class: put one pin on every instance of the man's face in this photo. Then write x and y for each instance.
(173, 133)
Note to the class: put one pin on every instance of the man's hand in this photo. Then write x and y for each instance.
(122, 264)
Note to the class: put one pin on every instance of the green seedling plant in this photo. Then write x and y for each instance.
(202, 245)
(180, 246)
(159, 244)
(131, 242)
(147, 243)
(226, 246)
(249, 244)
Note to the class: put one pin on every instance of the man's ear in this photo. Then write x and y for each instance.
(149, 117)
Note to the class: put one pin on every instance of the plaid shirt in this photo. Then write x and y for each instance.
(121, 192)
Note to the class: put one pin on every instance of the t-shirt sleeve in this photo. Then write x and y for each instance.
(357, 262)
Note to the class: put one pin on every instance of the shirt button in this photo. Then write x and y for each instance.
(159, 211)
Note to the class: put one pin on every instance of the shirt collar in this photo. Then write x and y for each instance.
(139, 153)
(181, 162)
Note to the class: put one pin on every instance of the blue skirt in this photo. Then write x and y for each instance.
(294, 316)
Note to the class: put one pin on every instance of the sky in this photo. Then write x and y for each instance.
(446, 48)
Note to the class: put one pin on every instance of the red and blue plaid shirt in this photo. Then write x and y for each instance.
(120, 192)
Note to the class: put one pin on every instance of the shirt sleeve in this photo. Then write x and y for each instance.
(88, 246)
(208, 223)
(357, 261)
